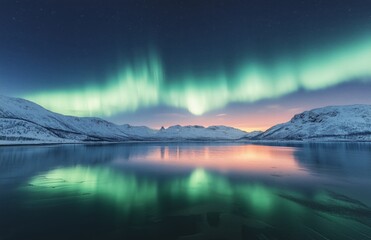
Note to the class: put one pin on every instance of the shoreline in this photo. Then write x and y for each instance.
(257, 142)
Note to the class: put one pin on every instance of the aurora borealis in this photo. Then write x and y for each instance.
(145, 85)
(185, 59)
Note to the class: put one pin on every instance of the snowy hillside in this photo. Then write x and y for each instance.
(20, 118)
(22, 121)
(138, 132)
(251, 135)
(178, 132)
(351, 122)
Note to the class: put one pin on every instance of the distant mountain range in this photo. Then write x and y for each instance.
(24, 122)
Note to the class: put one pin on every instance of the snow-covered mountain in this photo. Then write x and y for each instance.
(22, 121)
(138, 132)
(251, 135)
(178, 132)
(351, 122)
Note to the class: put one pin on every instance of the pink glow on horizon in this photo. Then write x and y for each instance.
(248, 158)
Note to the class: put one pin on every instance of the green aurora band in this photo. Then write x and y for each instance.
(145, 84)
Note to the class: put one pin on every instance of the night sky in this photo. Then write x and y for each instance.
(247, 64)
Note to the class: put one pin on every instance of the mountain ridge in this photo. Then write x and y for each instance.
(345, 122)
(22, 121)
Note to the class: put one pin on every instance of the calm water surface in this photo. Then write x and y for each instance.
(186, 191)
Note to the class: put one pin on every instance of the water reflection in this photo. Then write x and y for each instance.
(345, 157)
(199, 193)
(234, 157)
(130, 191)
(186, 191)
(223, 157)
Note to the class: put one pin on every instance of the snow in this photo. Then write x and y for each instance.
(352, 122)
(251, 135)
(196, 132)
(57, 124)
(26, 122)
(138, 132)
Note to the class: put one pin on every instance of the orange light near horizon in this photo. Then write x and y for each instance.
(248, 158)
(251, 129)
(246, 121)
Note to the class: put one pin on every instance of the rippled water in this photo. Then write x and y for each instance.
(186, 191)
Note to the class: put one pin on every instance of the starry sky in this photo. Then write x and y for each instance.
(247, 64)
